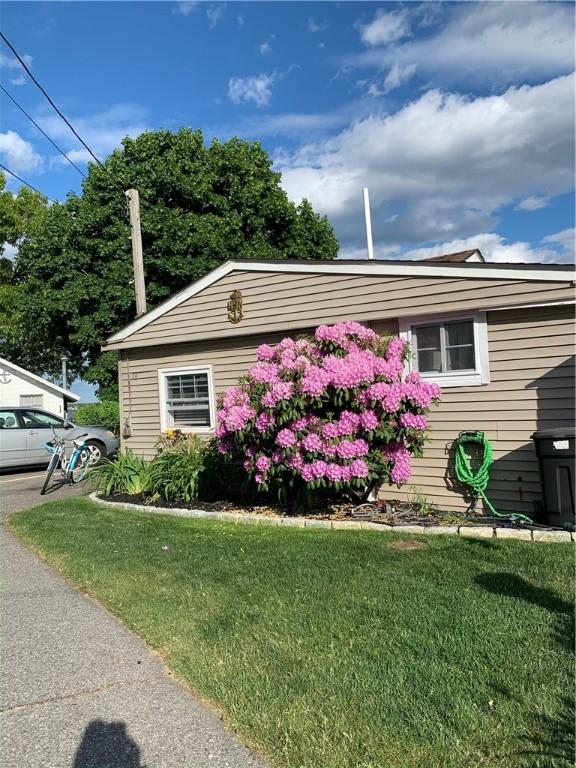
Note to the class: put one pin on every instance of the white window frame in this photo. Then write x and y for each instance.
(475, 378)
(163, 374)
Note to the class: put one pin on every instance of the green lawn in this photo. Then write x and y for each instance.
(334, 649)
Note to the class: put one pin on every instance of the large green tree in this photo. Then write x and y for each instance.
(200, 205)
(19, 214)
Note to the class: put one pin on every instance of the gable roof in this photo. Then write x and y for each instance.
(66, 394)
(455, 258)
(363, 267)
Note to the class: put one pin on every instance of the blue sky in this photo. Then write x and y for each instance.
(459, 117)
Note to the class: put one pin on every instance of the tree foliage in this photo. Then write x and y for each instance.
(200, 205)
(19, 215)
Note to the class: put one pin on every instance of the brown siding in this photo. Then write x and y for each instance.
(531, 355)
(139, 395)
(282, 302)
(532, 387)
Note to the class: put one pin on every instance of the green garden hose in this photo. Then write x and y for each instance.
(477, 480)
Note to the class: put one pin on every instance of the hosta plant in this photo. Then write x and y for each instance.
(126, 473)
(336, 413)
(176, 469)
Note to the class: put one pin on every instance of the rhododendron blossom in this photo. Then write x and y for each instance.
(335, 412)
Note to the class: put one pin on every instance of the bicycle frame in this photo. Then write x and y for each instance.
(58, 446)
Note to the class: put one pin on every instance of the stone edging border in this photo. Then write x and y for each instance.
(466, 531)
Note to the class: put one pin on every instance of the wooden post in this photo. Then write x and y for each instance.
(137, 259)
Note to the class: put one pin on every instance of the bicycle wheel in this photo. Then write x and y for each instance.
(78, 472)
(49, 472)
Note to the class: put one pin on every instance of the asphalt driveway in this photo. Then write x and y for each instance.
(78, 689)
(21, 490)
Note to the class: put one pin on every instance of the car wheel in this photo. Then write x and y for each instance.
(97, 451)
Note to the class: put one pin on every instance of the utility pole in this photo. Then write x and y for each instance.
(368, 223)
(137, 258)
(64, 361)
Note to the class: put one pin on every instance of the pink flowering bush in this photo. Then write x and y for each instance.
(334, 413)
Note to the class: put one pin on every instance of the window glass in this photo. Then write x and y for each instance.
(459, 333)
(460, 358)
(32, 400)
(460, 346)
(428, 347)
(40, 420)
(8, 420)
(188, 400)
(445, 347)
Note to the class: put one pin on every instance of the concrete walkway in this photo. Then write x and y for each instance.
(77, 689)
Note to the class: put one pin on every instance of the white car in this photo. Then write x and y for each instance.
(23, 432)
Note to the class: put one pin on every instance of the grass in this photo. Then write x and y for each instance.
(334, 649)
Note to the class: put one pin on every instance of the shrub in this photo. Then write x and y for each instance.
(176, 469)
(104, 414)
(223, 478)
(126, 473)
(333, 413)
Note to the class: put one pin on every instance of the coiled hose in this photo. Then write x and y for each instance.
(477, 480)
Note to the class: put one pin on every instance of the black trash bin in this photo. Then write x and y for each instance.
(555, 451)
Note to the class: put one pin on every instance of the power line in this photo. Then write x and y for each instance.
(3, 167)
(37, 84)
(72, 163)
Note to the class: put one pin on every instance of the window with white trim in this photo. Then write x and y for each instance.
(451, 350)
(28, 400)
(186, 399)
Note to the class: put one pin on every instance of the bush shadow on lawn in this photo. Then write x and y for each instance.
(551, 740)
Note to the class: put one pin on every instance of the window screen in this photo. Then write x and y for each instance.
(445, 347)
(188, 400)
(32, 400)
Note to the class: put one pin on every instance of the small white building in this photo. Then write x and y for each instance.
(19, 387)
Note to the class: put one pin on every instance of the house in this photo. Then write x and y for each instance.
(498, 338)
(20, 387)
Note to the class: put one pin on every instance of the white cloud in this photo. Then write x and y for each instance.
(102, 131)
(566, 240)
(498, 42)
(266, 46)
(186, 7)
(558, 247)
(444, 163)
(317, 26)
(214, 13)
(396, 77)
(240, 21)
(18, 154)
(257, 88)
(385, 28)
(20, 80)
(9, 62)
(533, 203)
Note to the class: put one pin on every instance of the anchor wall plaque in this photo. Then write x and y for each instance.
(234, 307)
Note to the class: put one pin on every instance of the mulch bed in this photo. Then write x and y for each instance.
(385, 512)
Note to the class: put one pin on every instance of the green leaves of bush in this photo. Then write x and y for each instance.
(175, 473)
(104, 414)
(126, 473)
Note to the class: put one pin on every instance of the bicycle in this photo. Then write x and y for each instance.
(73, 468)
